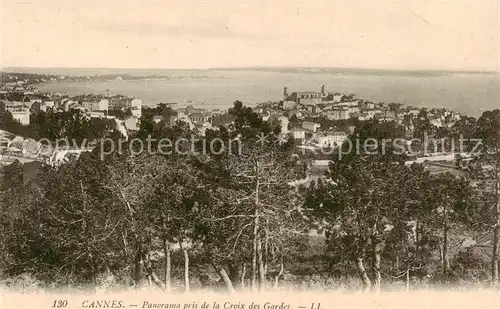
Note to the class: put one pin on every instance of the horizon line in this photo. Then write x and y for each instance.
(444, 70)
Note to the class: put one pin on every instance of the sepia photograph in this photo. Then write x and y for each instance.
(249, 154)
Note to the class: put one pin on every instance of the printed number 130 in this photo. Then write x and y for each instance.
(60, 304)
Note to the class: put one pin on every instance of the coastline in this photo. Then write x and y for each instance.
(463, 94)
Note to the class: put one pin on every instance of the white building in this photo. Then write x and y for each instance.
(370, 113)
(353, 109)
(311, 126)
(132, 123)
(337, 97)
(185, 118)
(101, 105)
(66, 104)
(413, 111)
(331, 138)
(284, 124)
(338, 114)
(97, 114)
(204, 127)
(136, 112)
(49, 104)
(298, 133)
(370, 105)
(349, 104)
(35, 100)
(136, 107)
(21, 114)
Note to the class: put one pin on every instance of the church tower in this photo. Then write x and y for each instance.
(323, 91)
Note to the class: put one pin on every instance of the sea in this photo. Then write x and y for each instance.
(466, 92)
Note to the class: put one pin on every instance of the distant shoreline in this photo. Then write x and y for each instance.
(320, 70)
(370, 71)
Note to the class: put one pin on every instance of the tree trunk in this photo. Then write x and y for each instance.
(168, 265)
(254, 249)
(150, 283)
(362, 273)
(242, 277)
(445, 248)
(495, 258)
(256, 230)
(186, 267)
(234, 274)
(225, 278)
(408, 279)
(279, 274)
(149, 269)
(125, 257)
(186, 270)
(266, 248)
(417, 233)
(260, 262)
(377, 249)
(137, 268)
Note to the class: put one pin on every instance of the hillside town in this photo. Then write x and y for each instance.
(316, 119)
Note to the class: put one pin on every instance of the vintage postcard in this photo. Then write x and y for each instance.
(249, 154)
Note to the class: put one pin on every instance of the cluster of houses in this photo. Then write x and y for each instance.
(338, 106)
(197, 119)
(100, 105)
(14, 147)
(92, 105)
(303, 106)
(18, 85)
(294, 112)
(30, 100)
(309, 132)
(299, 105)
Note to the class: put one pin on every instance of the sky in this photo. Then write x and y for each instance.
(420, 35)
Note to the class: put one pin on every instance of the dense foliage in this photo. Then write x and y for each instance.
(73, 125)
(246, 218)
